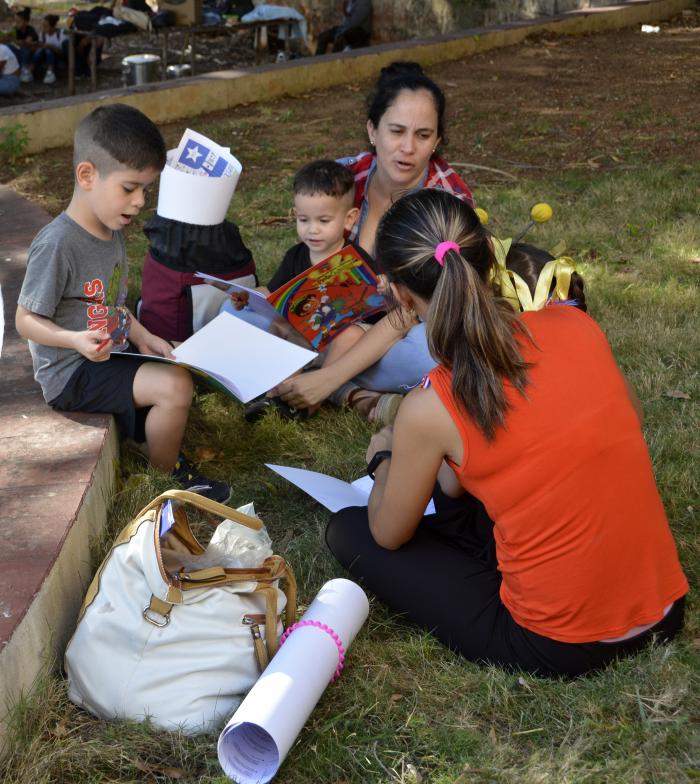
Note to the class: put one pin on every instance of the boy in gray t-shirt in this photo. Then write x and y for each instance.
(72, 303)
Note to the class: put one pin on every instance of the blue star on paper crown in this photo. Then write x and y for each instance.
(197, 156)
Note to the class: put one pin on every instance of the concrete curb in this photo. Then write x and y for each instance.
(57, 482)
(52, 125)
(38, 642)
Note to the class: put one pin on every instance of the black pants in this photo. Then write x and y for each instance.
(354, 37)
(445, 580)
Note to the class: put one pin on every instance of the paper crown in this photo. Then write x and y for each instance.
(192, 198)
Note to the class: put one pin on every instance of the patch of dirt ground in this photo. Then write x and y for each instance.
(604, 102)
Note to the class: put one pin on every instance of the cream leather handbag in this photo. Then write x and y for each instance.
(179, 647)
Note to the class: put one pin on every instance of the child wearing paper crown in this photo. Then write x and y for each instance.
(189, 234)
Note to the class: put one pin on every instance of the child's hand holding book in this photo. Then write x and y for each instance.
(239, 299)
(149, 344)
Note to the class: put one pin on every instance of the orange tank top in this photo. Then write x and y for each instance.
(582, 539)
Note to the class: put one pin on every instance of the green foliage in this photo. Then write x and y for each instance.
(13, 142)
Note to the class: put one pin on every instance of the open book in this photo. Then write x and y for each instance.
(319, 302)
(237, 358)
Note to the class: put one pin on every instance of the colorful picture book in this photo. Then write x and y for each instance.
(330, 296)
(319, 302)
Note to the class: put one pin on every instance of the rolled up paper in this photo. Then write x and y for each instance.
(254, 743)
(190, 198)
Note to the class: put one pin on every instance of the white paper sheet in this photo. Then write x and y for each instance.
(256, 740)
(330, 492)
(190, 198)
(245, 359)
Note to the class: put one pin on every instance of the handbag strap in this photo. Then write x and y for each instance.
(290, 591)
(273, 568)
(269, 591)
(206, 505)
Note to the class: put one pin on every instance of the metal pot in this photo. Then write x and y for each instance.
(178, 70)
(140, 69)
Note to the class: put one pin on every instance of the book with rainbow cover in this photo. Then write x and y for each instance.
(328, 297)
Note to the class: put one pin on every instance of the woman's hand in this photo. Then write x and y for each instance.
(307, 389)
(379, 442)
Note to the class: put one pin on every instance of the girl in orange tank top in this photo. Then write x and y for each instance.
(556, 556)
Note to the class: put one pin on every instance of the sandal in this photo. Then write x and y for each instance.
(378, 407)
(363, 401)
(387, 407)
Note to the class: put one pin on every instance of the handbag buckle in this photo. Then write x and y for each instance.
(149, 614)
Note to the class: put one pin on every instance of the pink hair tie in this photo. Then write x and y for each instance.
(330, 632)
(442, 249)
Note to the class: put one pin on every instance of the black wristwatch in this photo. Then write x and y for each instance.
(382, 454)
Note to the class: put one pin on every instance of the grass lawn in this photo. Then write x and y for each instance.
(625, 190)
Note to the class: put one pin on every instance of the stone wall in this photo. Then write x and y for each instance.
(396, 20)
(509, 10)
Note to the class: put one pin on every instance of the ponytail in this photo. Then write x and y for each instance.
(471, 331)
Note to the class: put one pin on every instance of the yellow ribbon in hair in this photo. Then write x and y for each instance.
(517, 292)
(500, 276)
(558, 269)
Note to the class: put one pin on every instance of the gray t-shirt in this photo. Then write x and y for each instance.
(76, 280)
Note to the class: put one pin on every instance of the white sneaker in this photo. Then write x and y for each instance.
(25, 75)
(49, 76)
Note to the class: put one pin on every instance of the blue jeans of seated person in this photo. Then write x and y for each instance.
(47, 56)
(9, 85)
(402, 367)
(23, 54)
